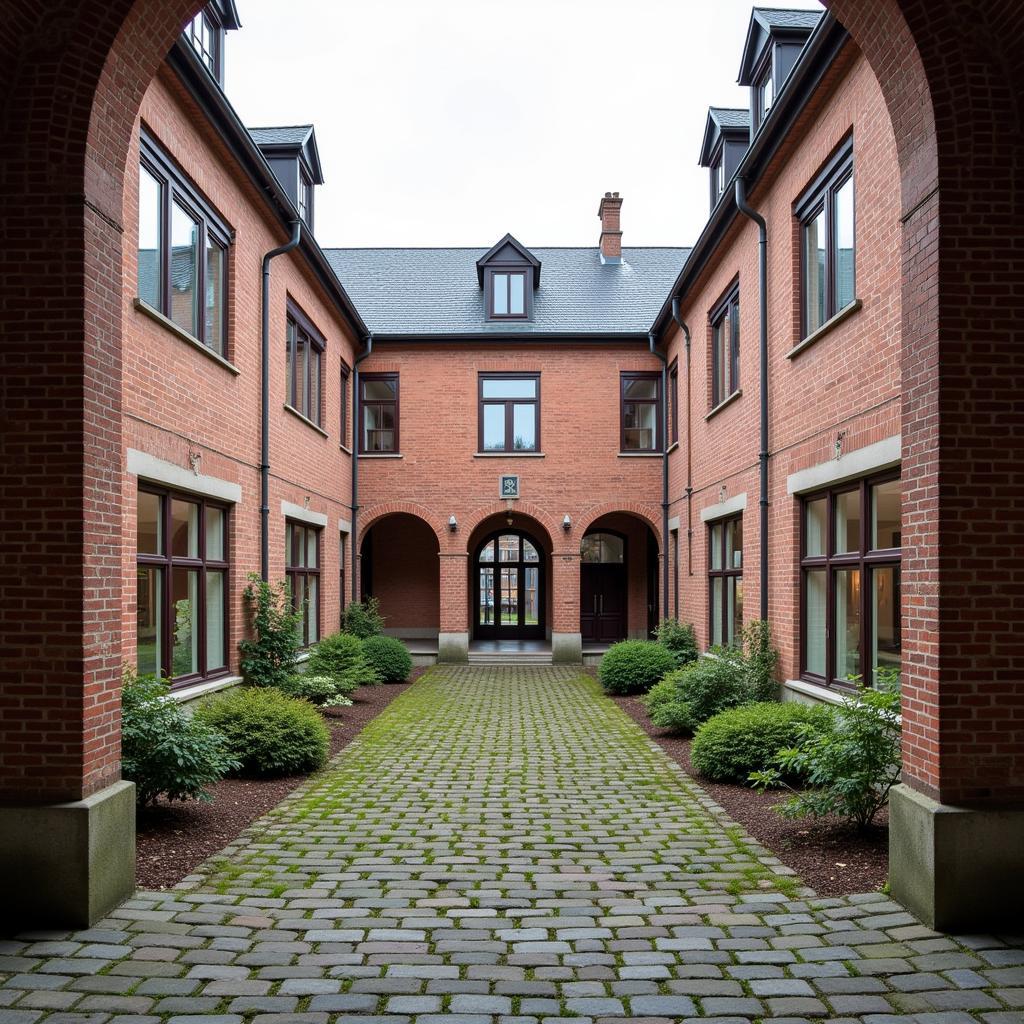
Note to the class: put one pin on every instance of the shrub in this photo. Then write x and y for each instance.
(340, 656)
(703, 689)
(268, 732)
(851, 769)
(679, 638)
(270, 654)
(363, 618)
(163, 751)
(761, 660)
(634, 666)
(325, 691)
(388, 658)
(732, 744)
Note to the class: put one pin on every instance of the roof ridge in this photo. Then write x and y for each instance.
(265, 127)
(475, 248)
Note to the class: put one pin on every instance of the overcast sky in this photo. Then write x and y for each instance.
(450, 122)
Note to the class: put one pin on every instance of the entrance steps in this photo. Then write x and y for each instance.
(510, 658)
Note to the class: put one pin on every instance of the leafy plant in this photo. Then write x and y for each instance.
(388, 657)
(268, 732)
(326, 691)
(270, 653)
(363, 618)
(634, 666)
(851, 769)
(163, 751)
(734, 743)
(702, 689)
(340, 656)
(679, 638)
(761, 660)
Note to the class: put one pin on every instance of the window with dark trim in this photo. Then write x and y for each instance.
(717, 177)
(850, 581)
(673, 402)
(764, 92)
(507, 295)
(305, 348)
(378, 413)
(725, 347)
(346, 374)
(305, 198)
(640, 412)
(342, 538)
(827, 242)
(302, 569)
(725, 581)
(181, 586)
(205, 34)
(509, 419)
(182, 250)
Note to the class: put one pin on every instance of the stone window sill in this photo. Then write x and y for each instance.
(723, 404)
(672, 447)
(826, 328)
(508, 455)
(345, 449)
(380, 455)
(187, 694)
(183, 335)
(305, 419)
(641, 455)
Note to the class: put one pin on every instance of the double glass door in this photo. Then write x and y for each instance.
(509, 585)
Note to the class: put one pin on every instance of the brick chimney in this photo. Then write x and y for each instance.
(611, 233)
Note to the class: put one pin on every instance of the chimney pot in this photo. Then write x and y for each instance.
(611, 231)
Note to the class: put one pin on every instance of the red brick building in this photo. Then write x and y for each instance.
(876, 438)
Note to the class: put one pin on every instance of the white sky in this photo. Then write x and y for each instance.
(450, 122)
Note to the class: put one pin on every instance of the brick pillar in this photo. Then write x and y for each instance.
(566, 641)
(453, 639)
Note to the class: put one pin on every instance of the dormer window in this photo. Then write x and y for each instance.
(305, 198)
(717, 179)
(765, 95)
(509, 274)
(508, 294)
(205, 34)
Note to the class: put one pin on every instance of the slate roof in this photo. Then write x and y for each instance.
(730, 117)
(772, 17)
(281, 135)
(436, 293)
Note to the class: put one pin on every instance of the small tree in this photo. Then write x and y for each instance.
(270, 654)
(679, 638)
(363, 618)
(761, 660)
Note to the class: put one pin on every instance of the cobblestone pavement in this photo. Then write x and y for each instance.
(503, 845)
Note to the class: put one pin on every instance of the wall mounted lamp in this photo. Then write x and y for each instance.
(453, 523)
(567, 523)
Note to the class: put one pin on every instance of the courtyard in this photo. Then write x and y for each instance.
(503, 844)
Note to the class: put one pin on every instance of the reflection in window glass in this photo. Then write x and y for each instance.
(508, 548)
(529, 552)
(500, 286)
(487, 594)
(149, 617)
(815, 526)
(844, 255)
(378, 390)
(216, 646)
(531, 597)
(185, 598)
(184, 269)
(603, 547)
(734, 544)
(487, 553)
(509, 596)
(886, 641)
(150, 207)
(216, 258)
(517, 294)
(494, 427)
(716, 611)
(814, 273)
(524, 427)
(847, 522)
(816, 610)
(509, 387)
(847, 632)
(184, 529)
(885, 515)
(716, 546)
(150, 523)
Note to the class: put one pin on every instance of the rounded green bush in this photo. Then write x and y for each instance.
(388, 658)
(734, 743)
(319, 690)
(268, 732)
(634, 666)
(341, 657)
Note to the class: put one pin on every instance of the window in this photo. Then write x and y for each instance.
(641, 412)
(725, 581)
(206, 37)
(850, 569)
(827, 248)
(341, 578)
(379, 416)
(673, 403)
(509, 412)
(305, 198)
(603, 549)
(507, 295)
(345, 374)
(181, 586)
(717, 178)
(725, 348)
(182, 251)
(765, 94)
(303, 358)
(302, 569)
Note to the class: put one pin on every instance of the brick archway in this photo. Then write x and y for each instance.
(369, 515)
(649, 514)
(520, 510)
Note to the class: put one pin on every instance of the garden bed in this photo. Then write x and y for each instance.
(830, 857)
(173, 839)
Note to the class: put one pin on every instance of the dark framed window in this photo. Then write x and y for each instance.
(346, 374)
(181, 586)
(509, 412)
(206, 35)
(507, 297)
(640, 412)
(850, 581)
(302, 570)
(182, 250)
(673, 403)
(342, 539)
(304, 356)
(827, 242)
(764, 94)
(725, 581)
(305, 198)
(378, 401)
(725, 347)
(717, 177)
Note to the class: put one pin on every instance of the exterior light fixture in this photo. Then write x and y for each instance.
(453, 523)
(567, 523)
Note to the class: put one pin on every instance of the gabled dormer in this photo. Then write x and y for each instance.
(726, 137)
(774, 41)
(206, 31)
(292, 154)
(509, 274)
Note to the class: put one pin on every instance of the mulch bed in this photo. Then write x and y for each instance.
(173, 839)
(831, 858)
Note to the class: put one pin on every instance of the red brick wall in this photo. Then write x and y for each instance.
(406, 574)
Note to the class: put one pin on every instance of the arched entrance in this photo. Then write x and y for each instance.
(509, 587)
(604, 599)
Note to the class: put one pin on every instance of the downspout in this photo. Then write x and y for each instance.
(664, 472)
(355, 461)
(762, 282)
(684, 327)
(265, 404)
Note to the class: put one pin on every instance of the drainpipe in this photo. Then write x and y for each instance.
(664, 471)
(265, 404)
(684, 327)
(356, 445)
(762, 283)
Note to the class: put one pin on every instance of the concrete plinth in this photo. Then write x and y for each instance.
(453, 648)
(68, 864)
(566, 649)
(957, 869)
